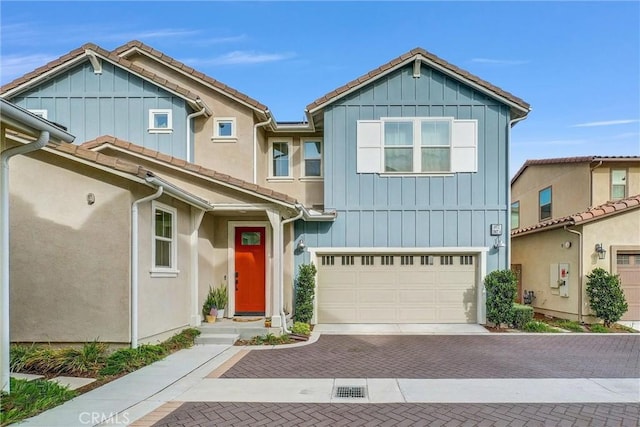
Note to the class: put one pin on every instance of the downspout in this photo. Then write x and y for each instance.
(4, 214)
(134, 264)
(281, 265)
(189, 117)
(508, 225)
(579, 271)
(591, 182)
(255, 147)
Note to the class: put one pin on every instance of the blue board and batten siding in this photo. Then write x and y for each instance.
(413, 211)
(115, 103)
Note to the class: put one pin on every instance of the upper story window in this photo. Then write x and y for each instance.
(544, 202)
(280, 158)
(515, 215)
(312, 152)
(164, 251)
(417, 145)
(40, 113)
(160, 121)
(618, 184)
(224, 129)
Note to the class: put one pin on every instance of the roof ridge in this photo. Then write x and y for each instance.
(161, 56)
(188, 166)
(123, 62)
(404, 57)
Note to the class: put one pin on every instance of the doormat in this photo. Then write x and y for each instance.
(247, 319)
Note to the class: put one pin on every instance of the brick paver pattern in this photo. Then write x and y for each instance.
(401, 414)
(448, 356)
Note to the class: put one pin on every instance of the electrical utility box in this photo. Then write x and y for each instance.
(559, 278)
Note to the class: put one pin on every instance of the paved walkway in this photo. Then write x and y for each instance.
(407, 380)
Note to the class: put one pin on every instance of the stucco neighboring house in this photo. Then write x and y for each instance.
(569, 216)
(396, 185)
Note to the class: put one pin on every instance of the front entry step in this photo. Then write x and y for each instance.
(217, 338)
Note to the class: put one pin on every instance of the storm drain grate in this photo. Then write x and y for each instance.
(350, 392)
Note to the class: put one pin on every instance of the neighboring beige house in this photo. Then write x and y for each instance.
(569, 216)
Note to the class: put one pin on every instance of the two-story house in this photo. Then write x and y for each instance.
(569, 216)
(396, 185)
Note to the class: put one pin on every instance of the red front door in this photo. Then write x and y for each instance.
(250, 270)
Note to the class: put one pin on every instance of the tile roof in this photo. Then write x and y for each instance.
(76, 53)
(417, 52)
(135, 44)
(568, 160)
(191, 167)
(592, 214)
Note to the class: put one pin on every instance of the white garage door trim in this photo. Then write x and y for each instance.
(479, 252)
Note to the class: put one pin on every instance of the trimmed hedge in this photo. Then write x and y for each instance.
(502, 287)
(521, 315)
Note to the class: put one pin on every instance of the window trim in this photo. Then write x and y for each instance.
(303, 163)
(153, 112)
(159, 271)
(626, 187)
(289, 142)
(40, 112)
(221, 138)
(511, 216)
(550, 188)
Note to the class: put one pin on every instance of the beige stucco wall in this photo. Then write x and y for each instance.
(164, 302)
(69, 260)
(570, 190)
(236, 158)
(602, 180)
(537, 251)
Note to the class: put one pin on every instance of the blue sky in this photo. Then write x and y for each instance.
(576, 63)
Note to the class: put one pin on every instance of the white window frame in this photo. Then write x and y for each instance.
(40, 113)
(152, 114)
(224, 138)
(172, 270)
(463, 146)
(303, 163)
(289, 142)
(625, 179)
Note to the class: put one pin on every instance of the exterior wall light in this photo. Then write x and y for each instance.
(498, 243)
(301, 246)
(601, 251)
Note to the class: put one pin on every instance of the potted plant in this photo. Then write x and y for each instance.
(220, 299)
(209, 308)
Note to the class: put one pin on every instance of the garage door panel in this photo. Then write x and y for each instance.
(397, 289)
(628, 264)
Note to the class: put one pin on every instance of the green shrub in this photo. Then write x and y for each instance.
(569, 325)
(184, 339)
(29, 398)
(520, 315)
(606, 297)
(301, 328)
(536, 326)
(600, 329)
(270, 339)
(501, 288)
(305, 289)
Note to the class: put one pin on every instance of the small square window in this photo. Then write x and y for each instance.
(224, 128)
(250, 238)
(160, 121)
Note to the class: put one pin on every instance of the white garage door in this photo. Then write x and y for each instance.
(396, 289)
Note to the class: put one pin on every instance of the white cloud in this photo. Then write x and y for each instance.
(490, 61)
(16, 65)
(241, 57)
(605, 123)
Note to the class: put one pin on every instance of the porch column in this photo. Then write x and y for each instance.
(276, 271)
(195, 220)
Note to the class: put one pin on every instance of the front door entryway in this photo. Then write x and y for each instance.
(250, 270)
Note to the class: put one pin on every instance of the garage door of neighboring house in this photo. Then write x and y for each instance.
(395, 288)
(629, 271)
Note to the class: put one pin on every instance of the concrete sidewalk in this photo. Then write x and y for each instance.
(133, 395)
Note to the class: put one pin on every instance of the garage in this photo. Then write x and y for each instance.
(628, 265)
(396, 288)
